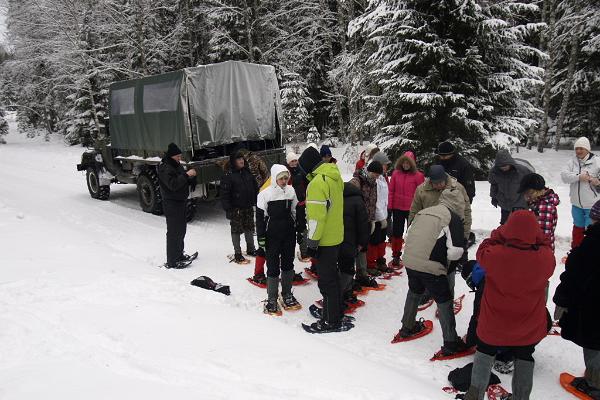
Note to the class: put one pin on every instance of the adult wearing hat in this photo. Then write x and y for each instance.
(325, 216)
(582, 173)
(299, 183)
(326, 155)
(174, 184)
(457, 166)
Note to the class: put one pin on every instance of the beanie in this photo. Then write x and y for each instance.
(381, 157)
(291, 156)
(309, 159)
(595, 211)
(437, 173)
(583, 142)
(325, 151)
(173, 150)
(445, 148)
(375, 167)
(532, 181)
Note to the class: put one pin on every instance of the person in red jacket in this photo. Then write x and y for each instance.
(403, 185)
(518, 262)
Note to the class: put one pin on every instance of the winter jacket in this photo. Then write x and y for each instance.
(518, 262)
(173, 181)
(426, 196)
(504, 186)
(544, 208)
(578, 292)
(583, 194)
(299, 182)
(357, 228)
(368, 187)
(381, 204)
(325, 206)
(436, 236)
(403, 184)
(276, 209)
(238, 187)
(257, 166)
(462, 170)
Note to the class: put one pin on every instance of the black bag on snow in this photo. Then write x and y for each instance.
(205, 282)
(460, 378)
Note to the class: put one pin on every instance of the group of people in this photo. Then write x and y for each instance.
(344, 227)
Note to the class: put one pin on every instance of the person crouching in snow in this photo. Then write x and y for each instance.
(403, 184)
(434, 239)
(543, 202)
(518, 262)
(577, 298)
(276, 231)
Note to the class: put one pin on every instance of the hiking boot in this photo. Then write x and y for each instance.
(366, 281)
(317, 312)
(451, 348)
(260, 279)
(271, 307)
(251, 253)
(381, 263)
(415, 330)
(289, 302)
(373, 272)
(239, 258)
(396, 261)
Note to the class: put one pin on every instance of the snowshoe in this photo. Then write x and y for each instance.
(579, 387)
(450, 351)
(177, 265)
(190, 258)
(497, 392)
(238, 259)
(259, 280)
(366, 281)
(251, 253)
(504, 367)
(396, 263)
(322, 326)
(317, 312)
(289, 303)
(420, 329)
(312, 272)
(299, 280)
(272, 308)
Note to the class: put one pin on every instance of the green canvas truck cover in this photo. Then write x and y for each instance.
(196, 107)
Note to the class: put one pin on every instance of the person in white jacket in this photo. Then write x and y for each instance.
(376, 249)
(582, 174)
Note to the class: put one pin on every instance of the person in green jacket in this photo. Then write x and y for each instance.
(325, 217)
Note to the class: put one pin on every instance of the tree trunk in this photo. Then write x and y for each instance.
(567, 87)
(546, 97)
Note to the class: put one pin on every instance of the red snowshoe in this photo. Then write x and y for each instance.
(422, 328)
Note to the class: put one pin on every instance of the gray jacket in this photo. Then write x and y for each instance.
(504, 185)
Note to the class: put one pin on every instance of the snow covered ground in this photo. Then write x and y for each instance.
(86, 313)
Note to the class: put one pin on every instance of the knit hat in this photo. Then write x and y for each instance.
(309, 159)
(437, 174)
(313, 145)
(583, 142)
(375, 167)
(595, 211)
(173, 150)
(325, 151)
(381, 157)
(445, 148)
(291, 156)
(532, 181)
(370, 147)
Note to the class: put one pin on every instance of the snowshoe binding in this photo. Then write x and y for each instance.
(272, 308)
(259, 280)
(317, 312)
(420, 329)
(289, 303)
(322, 326)
(187, 257)
(238, 259)
(451, 350)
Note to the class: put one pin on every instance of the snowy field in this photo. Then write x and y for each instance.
(86, 313)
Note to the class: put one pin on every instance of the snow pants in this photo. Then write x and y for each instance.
(280, 253)
(329, 283)
(176, 228)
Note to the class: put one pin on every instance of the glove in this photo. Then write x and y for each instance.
(372, 227)
(312, 252)
(559, 311)
(495, 202)
(384, 224)
(262, 242)
(299, 238)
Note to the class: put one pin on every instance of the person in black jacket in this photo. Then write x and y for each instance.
(174, 184)
(238, 196)
(577, 298)
(357, 231)
(457, 166)
(299, 183)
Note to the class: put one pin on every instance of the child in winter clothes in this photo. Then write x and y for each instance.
(518, 262)
(543, 202)
(577, 298)
(403, 184)
(276, 230)
(376, 250)
(238, 196)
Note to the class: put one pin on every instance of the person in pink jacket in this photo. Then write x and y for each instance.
(402, 187)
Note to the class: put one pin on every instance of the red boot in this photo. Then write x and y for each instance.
(578, 234)
(372, 253)
(397, 244)
(259, 263)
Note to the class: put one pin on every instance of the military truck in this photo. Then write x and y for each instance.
(209, 111)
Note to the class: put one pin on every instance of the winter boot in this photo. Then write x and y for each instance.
(578, 235)
(289, 303)
(417, 327)
(480, 376)
(451, 348)
(251, 253)
(271, 306)
(366, 281)
(371, 257)
(318, 314)
(261, 279)
(588, 384)
(382, 266)
(238, 258)
(397, 244)
(259, 262)
(286, 282)
(522, 381)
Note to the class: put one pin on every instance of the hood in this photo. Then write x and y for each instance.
(503, 157)
(550, 198)
(276, 169)
(309, 159)
(407, 157)
(351, 190)
(237, 153)
(453, 199)
(522, 229)
(328, 169)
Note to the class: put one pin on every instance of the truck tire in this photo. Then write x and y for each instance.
(93, 184)
(149, 192)
(190, 209)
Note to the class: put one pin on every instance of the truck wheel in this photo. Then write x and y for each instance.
(149, 192)
(190, 209)
(93, 184)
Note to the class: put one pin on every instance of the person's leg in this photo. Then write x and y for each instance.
(372, 247)
(273, 252)
(413, 297)
(451, 277)
(579, 220)
(504, 214)
(248, 225)
(591, 359)
(170, 212)
(586, 216)
(329, 284)
(287, 263)
(236, 232)
(482, 368)
(361, 263)
(346, 267)
(439, 288)
(471, 339)
(522, 381)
